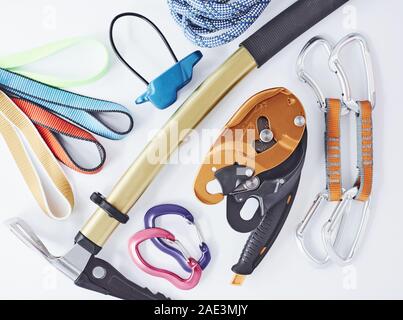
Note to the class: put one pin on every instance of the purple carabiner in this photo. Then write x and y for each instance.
(165, 209)
(177, 281)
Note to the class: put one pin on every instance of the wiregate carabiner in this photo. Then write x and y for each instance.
(177, 281)
(335, 65)
(167, 209)
(335, 220)
(304, 76)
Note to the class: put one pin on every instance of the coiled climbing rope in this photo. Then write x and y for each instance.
(212, 23)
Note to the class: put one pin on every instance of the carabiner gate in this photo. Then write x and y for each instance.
(336, 66)
(303, 226)
(177, 281)
(304, 76)
(335, 221)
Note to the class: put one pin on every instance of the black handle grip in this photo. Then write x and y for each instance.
(102, 277)
(287, 26)
(262, 238)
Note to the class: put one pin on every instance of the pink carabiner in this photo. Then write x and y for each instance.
(177, 281)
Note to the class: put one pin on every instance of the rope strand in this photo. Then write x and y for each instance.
(212, 23)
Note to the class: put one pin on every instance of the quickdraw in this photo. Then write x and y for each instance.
(361, 191)
(259, 154)
(332, 110)
(162, 92)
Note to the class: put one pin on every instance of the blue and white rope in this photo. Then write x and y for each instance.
(212, 23)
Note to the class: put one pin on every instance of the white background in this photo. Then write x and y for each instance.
(285, 273)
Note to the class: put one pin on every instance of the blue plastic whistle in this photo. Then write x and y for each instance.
(163, 90)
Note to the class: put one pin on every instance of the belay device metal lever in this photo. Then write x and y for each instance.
(260, 155)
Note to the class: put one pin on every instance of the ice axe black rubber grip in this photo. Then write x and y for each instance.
(112, 282)
(287, 26)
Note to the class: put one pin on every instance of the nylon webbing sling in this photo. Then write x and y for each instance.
(14, 62)
(14, 122)
(364, 150)
(53, 129)
(83, 111)
(333, 149)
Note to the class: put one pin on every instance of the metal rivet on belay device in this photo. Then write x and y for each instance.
(266, 135)
(162, 92)
(299, 121)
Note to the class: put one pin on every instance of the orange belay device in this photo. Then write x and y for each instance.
(259, 154)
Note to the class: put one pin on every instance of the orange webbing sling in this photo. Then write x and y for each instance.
(333, 149)
(52, 128)
(365, 151)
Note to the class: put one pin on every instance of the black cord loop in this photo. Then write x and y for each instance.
(137, 15)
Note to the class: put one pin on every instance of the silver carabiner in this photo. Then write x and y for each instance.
(304, 76)
(333, 225)
(303, 226)
(335, 65)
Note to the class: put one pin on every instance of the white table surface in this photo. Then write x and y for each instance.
(285, 273)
